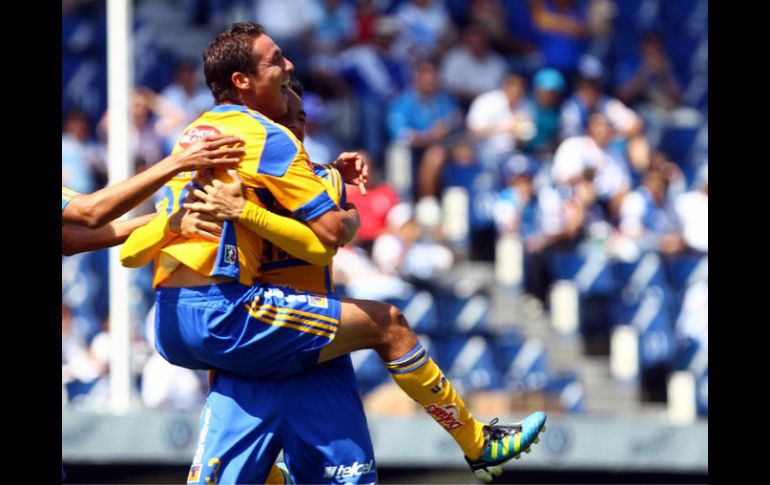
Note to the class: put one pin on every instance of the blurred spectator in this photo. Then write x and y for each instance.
(355, 271)
(373, 208)
(188, 95)
(79, 159)
(463, 169)
(534, 215)
(693, 211)
(335, 25)
(79, 368)
(390, 247)
(548, 87)
(424, 24)
(472, 68)
(588, 98)
(423, 116)
(428, 259)
(578, 153)
(367, 13)
(152, 119)
(498, 118)
(319, 143)
(649, 78)
(491, 17)
(563, 31)
(376, 75)
(648, 216)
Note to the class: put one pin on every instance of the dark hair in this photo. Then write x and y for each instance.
(296, 86)
(231, 51)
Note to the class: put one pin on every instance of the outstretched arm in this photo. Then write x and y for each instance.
(109, 203)
(79, 239)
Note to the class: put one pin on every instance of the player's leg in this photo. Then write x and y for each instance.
(382, 327)
(326, 437)
(238, 439)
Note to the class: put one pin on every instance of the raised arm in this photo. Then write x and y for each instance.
(96, 209)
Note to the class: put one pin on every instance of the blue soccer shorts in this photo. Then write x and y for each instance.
(316, 417)
(264, 331)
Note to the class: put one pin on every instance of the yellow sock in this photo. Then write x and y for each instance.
(423, 381)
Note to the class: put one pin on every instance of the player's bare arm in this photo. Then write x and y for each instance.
(79, 239)
(95, 210)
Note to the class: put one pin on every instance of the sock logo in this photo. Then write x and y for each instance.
(229, 253)
(447, 415)
(437, 388)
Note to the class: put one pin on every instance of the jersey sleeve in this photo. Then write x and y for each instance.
(67, 195)
(145, 242)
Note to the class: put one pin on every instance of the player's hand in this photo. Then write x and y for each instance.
(220, 200)
(354, 168)
(194, 224)
(208, 153)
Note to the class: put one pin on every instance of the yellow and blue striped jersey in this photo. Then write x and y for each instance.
(279, 267)
(67, 195)
(274, 163)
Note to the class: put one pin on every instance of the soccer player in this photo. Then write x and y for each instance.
(206, 319)
(87, 218)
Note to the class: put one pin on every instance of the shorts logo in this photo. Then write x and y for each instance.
(230, 254)
(317, 301)
(447, 416)
(355, 470)
(197, 133)
(194, 475)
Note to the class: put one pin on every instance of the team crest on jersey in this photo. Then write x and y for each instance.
(317, 301)
(197, 133)
(194, 475)
(230, 254)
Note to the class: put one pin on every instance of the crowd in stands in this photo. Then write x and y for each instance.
(577, 126)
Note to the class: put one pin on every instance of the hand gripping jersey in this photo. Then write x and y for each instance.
(275, 163)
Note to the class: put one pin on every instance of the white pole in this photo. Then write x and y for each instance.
(119, 88)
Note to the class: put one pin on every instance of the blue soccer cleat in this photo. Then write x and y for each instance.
(503, 442)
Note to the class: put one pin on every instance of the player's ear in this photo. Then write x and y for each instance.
(240, 80)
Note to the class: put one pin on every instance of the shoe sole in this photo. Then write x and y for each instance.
(491, 472)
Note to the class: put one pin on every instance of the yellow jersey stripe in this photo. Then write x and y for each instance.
(303, 313)
(279, 323)
(69, 192)
(264, 312)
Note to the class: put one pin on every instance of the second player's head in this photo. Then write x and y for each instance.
(295, 117)
(244, 66)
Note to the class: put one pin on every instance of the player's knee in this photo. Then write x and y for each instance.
(397, 324)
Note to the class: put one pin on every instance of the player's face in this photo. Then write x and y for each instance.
(272, 71)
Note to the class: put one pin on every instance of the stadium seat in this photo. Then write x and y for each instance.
(684, 270)
(469, 362)
(591, 273)
(522, 362)
(462, 315)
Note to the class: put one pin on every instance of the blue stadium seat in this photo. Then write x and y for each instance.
(592, 273)
(684, 270)
(469, 362)
(569, 390)
(678, 144)
(522, 362)
(370, 371)
(462, 315)
(702, 394)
